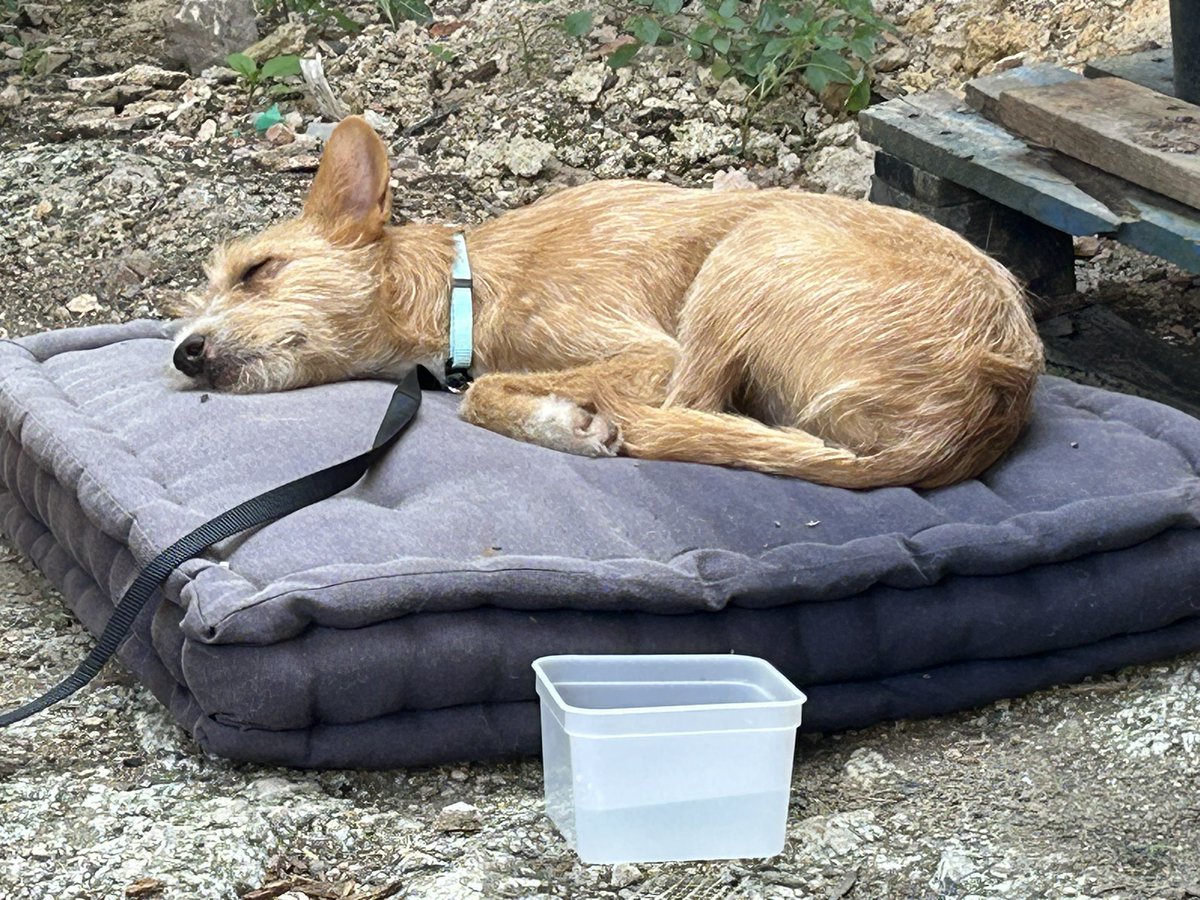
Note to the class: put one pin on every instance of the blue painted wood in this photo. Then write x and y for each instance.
(938, 133)
(1150, 68)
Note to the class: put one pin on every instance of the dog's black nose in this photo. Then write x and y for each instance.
(189, 355)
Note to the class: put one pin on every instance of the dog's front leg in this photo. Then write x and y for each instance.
(577, 410)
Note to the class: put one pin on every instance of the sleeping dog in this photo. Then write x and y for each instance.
(788, 332)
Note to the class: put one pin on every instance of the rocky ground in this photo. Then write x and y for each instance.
(115, 181)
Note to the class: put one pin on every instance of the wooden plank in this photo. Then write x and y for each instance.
(1151, 69)
(924, 186)
(938, 133)
(1096, 346)
(983, 94)
(1130, 131)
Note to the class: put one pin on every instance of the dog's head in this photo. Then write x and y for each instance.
(298, 304)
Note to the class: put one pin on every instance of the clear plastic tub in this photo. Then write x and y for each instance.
(659, 758)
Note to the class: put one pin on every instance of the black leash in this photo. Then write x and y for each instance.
(273, 504)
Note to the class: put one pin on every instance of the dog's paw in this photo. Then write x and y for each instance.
(563, 425)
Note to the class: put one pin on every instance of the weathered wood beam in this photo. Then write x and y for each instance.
(1140, 135)
(938, 133)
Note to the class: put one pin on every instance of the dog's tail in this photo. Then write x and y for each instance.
(956, 440)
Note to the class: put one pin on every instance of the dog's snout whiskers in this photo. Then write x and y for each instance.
(189, 355)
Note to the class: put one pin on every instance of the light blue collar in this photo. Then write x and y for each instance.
(461, 318)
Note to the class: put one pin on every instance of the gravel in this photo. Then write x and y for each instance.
(114, 191)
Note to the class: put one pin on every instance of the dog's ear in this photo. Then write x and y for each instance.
(350, 197)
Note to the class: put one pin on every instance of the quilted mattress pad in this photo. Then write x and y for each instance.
(395, 623)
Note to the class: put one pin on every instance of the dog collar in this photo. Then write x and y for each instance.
(458, 366)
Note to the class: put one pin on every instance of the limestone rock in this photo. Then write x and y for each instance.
(203, 32)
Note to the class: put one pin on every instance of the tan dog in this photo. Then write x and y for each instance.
(787, 332)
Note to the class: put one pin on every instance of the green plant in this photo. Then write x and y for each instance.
(254, 76)
(767, 45)
(397, 11)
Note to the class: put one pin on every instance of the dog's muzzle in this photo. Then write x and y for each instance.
(189, 355)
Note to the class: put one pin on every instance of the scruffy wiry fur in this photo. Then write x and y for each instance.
(788, 332)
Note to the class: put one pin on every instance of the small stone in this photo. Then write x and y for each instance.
(280, 134)
(624, 874)
(82, 305)
(732, 180)
(50, 61)
(10, 97)
(895, 57)
(382, 125)
(287, 39)
(144, 888)
(458, 817)
(586, 82)
(1086, 247)
(141, 75)
(527, 156)
(207, 131)
(43, 209)
(1015, 61)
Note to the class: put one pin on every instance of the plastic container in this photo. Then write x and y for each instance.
(659, 758)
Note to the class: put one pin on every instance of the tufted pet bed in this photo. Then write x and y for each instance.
(395, 624)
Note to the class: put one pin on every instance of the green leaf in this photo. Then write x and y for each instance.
(798, 24)
(442, 54)
(769, 15)
(645, 29)
(271, 117)
(623, 55)
(281, 66)
(346, 23)
(721, 43)
(694, 50)
(862, 43)
(836, 68)
(577, 24)
(817, 78)
(860, 94)
(719, 69)
(242, 64)
(410, 10)
(728, 8)
(777, 47)
(703, 34)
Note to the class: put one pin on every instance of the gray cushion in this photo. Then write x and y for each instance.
(395, 623)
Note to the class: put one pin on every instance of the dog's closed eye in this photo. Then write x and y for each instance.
(262, 270)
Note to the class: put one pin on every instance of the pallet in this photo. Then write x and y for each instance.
(939, 134)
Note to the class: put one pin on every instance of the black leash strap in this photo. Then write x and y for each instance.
(265, 507)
